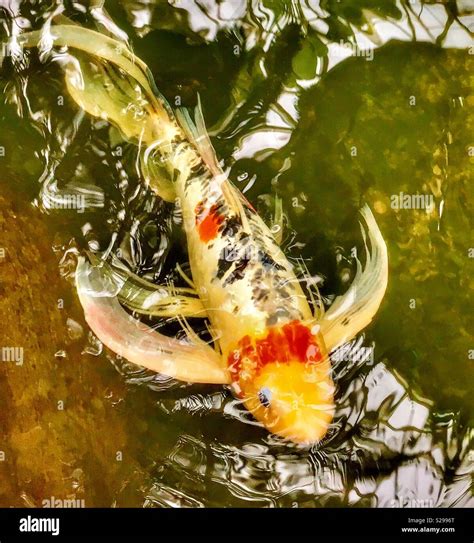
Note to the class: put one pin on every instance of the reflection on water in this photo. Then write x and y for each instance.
(401, 436)
(319, 35)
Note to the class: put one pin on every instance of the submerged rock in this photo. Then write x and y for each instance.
(56, 414)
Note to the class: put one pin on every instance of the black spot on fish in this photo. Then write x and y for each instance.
(223, 264)
(268, 262)
(260, 294)
(280, 313)
(230, 227)
(283, 293)
(238, 273)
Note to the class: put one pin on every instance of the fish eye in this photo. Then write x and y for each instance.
(265, 396)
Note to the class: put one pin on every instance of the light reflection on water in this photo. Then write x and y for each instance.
(388, 446)
(386, 449)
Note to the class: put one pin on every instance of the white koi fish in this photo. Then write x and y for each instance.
(268, 344)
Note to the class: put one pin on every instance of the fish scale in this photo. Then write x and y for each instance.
(262, 269)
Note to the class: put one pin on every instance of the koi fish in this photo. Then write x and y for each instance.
(268, 344)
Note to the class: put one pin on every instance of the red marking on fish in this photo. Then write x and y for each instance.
(208, 222)
(290, 342)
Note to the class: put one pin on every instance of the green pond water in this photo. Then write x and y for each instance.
(326, 135)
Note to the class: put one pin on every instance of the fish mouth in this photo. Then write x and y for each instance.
(305, 426)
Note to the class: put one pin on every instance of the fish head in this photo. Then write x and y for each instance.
(294, 402)
(283, 378)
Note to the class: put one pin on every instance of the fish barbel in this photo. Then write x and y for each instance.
(268, 344)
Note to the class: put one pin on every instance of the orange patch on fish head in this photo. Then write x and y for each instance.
(284, 379)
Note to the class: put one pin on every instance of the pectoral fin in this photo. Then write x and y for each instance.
(353, 311)
(145, 297)
(188, 361)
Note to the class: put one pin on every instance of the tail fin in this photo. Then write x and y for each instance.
(117, 85)
(107, 80)
(354, 310)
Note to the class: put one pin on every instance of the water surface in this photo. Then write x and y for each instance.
(327, 105)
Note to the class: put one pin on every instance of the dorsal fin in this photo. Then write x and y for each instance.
(197, 134)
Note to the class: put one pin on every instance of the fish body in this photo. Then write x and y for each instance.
(268, 344)
(241, 274)
(260, 316)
